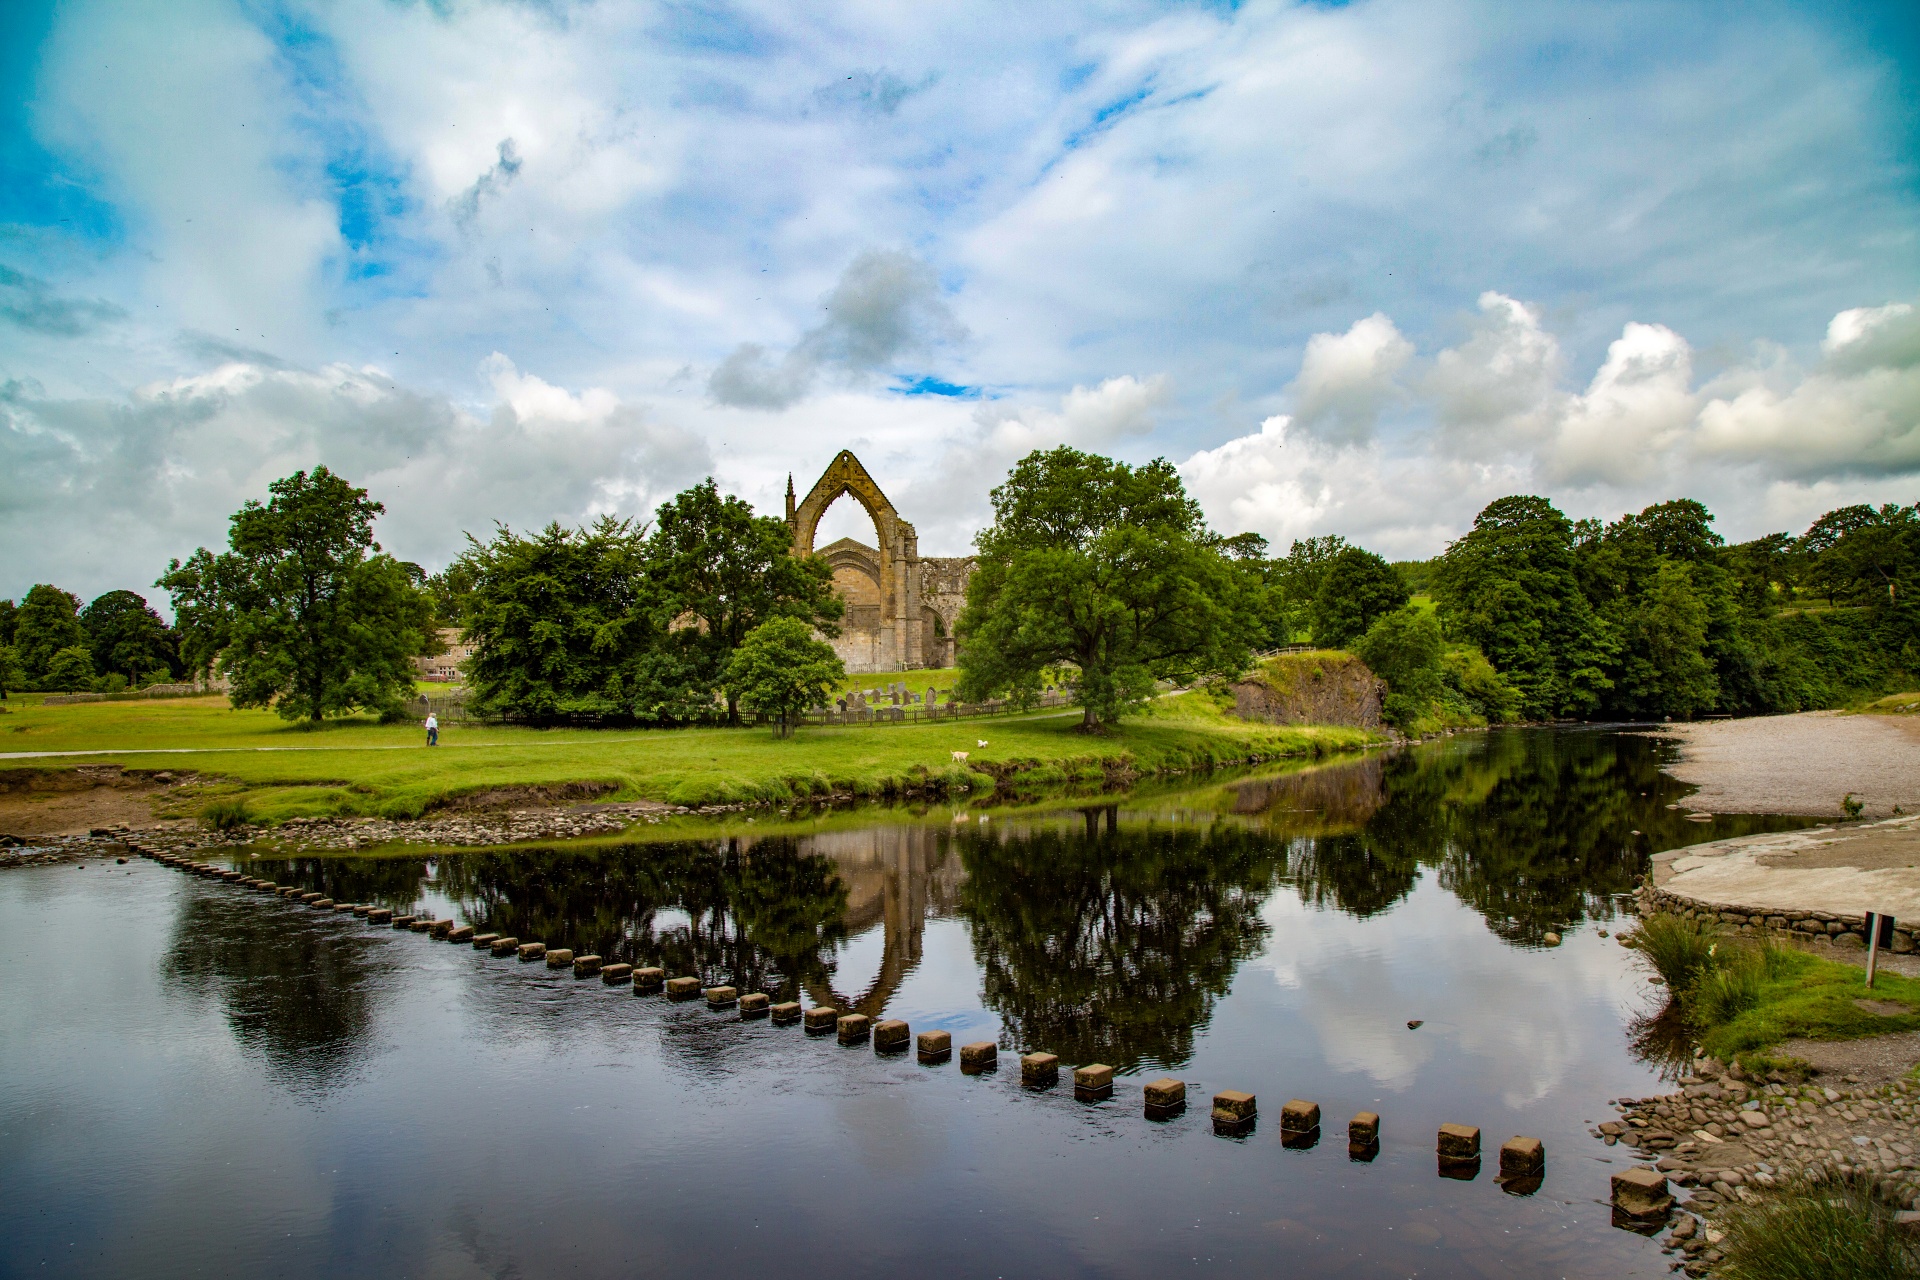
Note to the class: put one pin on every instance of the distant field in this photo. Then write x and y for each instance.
(361, 767)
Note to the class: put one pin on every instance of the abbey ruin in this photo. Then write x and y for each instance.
(900, 606)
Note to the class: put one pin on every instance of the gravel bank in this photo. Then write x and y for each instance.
(1800, 763)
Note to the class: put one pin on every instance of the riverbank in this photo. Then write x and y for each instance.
(177, 758)
(1804, 764)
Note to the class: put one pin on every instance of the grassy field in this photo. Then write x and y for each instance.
(357, 766)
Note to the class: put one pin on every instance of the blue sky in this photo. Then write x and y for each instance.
(1357, 268)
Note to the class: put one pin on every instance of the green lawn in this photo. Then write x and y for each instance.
(361, 767)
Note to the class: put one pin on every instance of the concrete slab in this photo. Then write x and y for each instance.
(1846, 870)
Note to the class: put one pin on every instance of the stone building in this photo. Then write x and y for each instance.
(901, 606)
(447, 667)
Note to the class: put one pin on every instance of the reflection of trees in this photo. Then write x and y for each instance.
(302, 998)
(386, 882)
(1112, 945)
(764, 920)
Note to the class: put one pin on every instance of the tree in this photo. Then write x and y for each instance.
(1356, 589)
(1107, 567)
(70, 670)
(1403, 648)
(303, 612)
(128, 638)
(561, 622)
(1510, 587)
(1664, 667)
(452, 591)
(780, 670)
(722, 571)
(48, 621)
(8, 613)
(11, 676)
(1295, 581)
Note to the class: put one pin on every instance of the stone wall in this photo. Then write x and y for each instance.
(1822, 928)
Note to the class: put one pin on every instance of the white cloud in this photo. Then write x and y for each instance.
(1638, 407)
(1346, 379)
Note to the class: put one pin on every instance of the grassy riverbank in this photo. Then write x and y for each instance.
(359, 767)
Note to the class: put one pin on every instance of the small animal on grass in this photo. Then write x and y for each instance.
(979, 742)
(960, 757)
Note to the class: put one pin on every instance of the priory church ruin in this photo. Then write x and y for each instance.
(901, 605)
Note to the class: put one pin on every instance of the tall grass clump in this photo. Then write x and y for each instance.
(1816, 1232)
(1677, 949)
(229, 813)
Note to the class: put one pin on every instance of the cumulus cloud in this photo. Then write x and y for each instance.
(887, 304)
(158, 474)
(1500, 385)
(1347, 378)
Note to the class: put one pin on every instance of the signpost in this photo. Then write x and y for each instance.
(1879, 934)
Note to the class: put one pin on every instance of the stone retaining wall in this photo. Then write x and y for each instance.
(1820, 927)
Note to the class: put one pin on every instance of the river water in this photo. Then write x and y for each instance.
(200, 1081)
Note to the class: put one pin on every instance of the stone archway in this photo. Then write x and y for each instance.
(909, 603)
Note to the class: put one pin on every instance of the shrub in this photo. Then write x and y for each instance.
(1812, 1232)
(1677, 949)
(227, 814)
(1720, 993)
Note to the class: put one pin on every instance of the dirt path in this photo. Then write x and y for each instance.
(1800, 763)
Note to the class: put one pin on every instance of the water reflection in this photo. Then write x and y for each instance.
(303, 998)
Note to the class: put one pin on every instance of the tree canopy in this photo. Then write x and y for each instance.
(780, 670)
(1106, 567)
(47, 622)
(1356, 589)
(303, 612)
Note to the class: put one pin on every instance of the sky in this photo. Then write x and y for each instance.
(1355, 268)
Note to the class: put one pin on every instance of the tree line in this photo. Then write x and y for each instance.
(1095, 566)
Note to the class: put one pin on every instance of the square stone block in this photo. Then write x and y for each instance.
(505, 946)
(379, 915)
(1459, 1142)
(722, 997)
(1298, 1116)
(1236, 1105)
(464, 933)
(981, 1055)
(1167, 1093)
(530, 951)
(404, 921)
(1039, 1069)
(854, 1028)
(1522, 1157)
(1364, 1128)
(321, 904)
(482, 941)
(440, 928)
(615, 974)
(1641, 1192)
(361, 909)
(683, 988)
(787, 1011)
(649, 979)
(311, 896)
(423, 924)
(822, 1018)
(559, 958)
(754, 1004)
(934, 1046)
(586, 966)
(1093, 1077)
(890, 1035)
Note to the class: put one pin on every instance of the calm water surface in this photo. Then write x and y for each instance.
(198, 1081)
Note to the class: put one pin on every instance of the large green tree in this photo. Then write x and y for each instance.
(561, 623)
(1106, 567)
(1357, 588)
(128, 638)
(48, 621)
(1510, 587)
(303, 612)
(780, 670)
(721, 571)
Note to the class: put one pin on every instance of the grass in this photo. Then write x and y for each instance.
(1815, 1232)
(1745, 997)
(1894, 704)
(360, 767)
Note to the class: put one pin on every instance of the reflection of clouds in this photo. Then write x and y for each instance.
(1521, 1017)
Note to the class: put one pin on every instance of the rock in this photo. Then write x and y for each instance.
(1849, 942)
(1641, 1192)
(1364, 1129)
(482, 941)
(934, 1046)
(649, 979)
(532, 950)
(981, 1055)
(505, 946)
(1093, 1082)
(1233, 1108)
(755, 1004)
(891, 1035)
(1551, 939)
(559, 958)
(853, 1028)
(615, 974)
(1166, 1094)
(1038, 1070)
(822, 1018)
(586, 966)
(722, 997)
(464, 933)
(1459, 1142)
(1522, 1157)
(1298, 1116)
(684, 988)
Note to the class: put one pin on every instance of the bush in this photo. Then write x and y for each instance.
(227, 814)
(70, 670)
(1721, 993)
(1814, 1232)
(1677, 949)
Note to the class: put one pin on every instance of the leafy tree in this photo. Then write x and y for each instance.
(70, 670)
(127, 637)
(1357, 589)
(1762, 572)
(781, 670)
(452, 591)
(1664, 664)
(1294, 584)
(1403, 648)
(1107, 567)
(48, 621)
(1509, 586)
(8, 613)
(562, 622)
(303, 612)
(12, 676)
(722, 571)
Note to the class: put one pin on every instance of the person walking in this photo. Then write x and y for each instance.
(433, 730)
